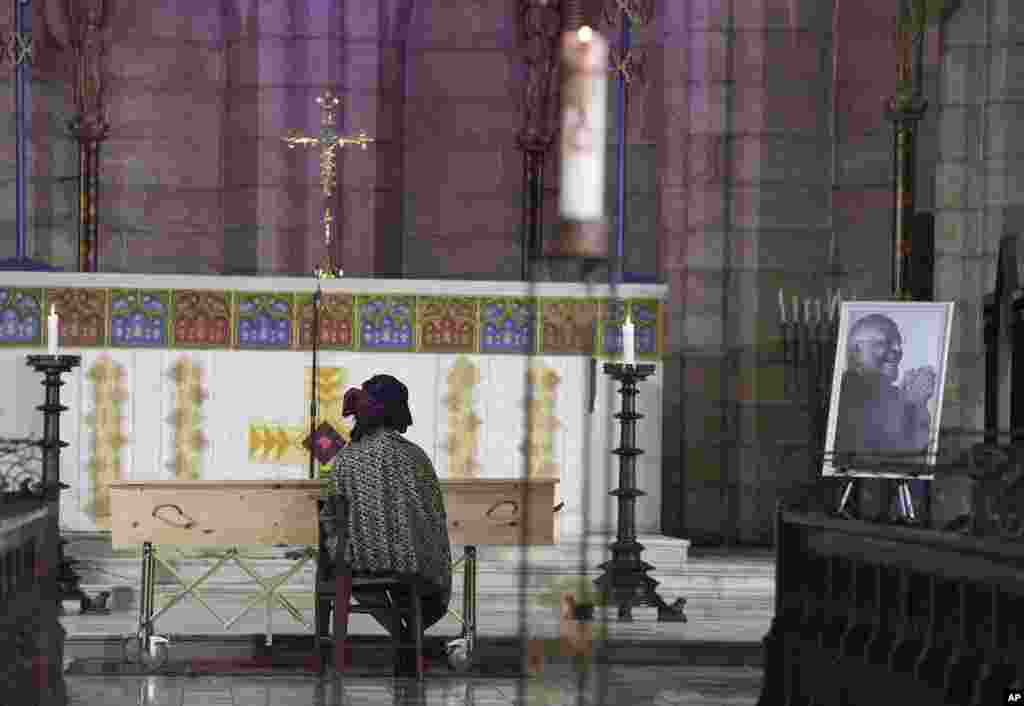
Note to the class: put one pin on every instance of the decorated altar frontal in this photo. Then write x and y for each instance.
(208, 378)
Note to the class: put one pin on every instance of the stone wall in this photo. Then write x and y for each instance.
(743, 189)
(463, 169)
(161, 173)
(730, 186)
(978, 200)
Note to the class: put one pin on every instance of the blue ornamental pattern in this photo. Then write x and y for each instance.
(386, 323)
(508, 326)
(271, 321)
(644, 318)
(138, 320)
(264, 321)
(20, 319)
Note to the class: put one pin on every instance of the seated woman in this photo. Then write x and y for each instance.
(396, 517)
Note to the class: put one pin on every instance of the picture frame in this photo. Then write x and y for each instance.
(882, 423)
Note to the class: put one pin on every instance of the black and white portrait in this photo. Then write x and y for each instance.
(887, 390)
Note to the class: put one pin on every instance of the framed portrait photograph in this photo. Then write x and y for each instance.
(886, 403)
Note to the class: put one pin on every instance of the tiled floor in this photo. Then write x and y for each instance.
(632, 686)
(729, 597)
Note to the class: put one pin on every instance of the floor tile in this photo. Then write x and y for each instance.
(635, 686)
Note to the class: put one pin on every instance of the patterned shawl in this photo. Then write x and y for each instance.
(397, 521)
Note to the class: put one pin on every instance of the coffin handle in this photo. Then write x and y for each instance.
(495, 506)
(189, 524)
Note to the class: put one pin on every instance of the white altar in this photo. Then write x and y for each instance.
(193, 377)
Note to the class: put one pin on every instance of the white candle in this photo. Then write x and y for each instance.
(628, 342)
(835, 305)
(52, 331)
(782, 307)
(807, 311)
(584, 114)
(817, 310)
(796, 309)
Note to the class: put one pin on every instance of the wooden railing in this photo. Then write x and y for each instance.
(875, 614)
(31, 636)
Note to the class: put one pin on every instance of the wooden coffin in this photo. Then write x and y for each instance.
(261, 512)
(214, 513)
(483, 511)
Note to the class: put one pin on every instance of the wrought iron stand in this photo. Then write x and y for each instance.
(625, 581)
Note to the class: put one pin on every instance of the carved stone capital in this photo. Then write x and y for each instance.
(90, 52)
(89, 127)
(58, 21)
(541, 26)
(530, 140)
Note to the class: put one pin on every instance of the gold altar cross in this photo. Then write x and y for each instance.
(327, 142)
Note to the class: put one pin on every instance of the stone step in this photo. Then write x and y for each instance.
(491, 579)
(666, 553)
(498, 567)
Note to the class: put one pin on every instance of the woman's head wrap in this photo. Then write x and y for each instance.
(383, 401)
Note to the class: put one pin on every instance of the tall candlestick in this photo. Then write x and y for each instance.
(782, 307)
(584, 114)
(52, 331)
(628, 342)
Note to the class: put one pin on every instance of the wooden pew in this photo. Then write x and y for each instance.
(873, 614)
(31, 636)
(229, 514)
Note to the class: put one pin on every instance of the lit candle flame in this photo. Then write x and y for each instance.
(585, 34)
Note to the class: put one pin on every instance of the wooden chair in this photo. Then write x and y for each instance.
(334, 586)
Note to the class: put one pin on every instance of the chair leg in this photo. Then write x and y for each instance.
(417, 629)
(342, 603)
(323, 625)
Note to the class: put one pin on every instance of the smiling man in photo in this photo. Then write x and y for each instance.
(877, 417)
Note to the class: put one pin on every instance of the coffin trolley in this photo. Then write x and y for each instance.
(222, 516)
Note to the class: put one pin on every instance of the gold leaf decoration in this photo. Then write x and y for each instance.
(543, 388)
(463, 423)
(282, 444)
(187, 419)
(107, 424)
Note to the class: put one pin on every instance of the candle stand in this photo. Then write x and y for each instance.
(52, 367)
(625, 582)
(45, 646)
(808, 355)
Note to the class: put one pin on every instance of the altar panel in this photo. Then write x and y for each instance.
(178, 381)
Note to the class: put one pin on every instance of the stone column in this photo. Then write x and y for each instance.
(691, 192)
(981, 99)
(8, 165)
(743, 212)
(89, 125)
